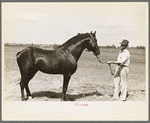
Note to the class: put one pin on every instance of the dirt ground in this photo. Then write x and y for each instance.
(91, 82)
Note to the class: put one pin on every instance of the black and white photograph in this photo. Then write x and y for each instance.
(74, 61)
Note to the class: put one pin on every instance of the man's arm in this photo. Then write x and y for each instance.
(113, 62)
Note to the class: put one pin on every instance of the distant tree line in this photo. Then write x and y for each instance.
(113, 46)
(108, 46)
(55, 46)
(140, 47)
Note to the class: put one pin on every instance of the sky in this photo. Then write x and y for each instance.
(55, 23)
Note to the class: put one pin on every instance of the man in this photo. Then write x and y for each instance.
(121, 71)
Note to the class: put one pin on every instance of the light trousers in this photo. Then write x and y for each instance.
(120, 80)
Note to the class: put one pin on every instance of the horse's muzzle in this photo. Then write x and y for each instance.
(97, 52)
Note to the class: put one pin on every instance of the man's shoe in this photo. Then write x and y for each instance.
(123, 99)
(114, 98)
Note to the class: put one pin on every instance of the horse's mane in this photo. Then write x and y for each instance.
(74, 40)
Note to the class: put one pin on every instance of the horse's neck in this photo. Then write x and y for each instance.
(77, 49)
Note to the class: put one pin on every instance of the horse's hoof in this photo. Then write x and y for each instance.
(23, 99)
(29, 97)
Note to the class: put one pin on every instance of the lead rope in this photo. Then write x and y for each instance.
(112, 73)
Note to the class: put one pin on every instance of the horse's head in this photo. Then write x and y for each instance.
(92, 44)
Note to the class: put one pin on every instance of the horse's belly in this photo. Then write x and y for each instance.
(51, 69)
(57, 68)
(58, 71)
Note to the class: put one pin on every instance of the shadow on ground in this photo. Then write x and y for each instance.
(69, 97)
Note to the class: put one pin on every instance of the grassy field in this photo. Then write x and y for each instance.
(91, 82)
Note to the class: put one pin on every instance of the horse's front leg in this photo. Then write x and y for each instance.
(65, 86)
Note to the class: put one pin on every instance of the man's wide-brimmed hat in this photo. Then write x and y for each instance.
(125, 42)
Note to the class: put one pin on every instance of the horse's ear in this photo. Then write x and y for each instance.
(91, 32)
(94, 34)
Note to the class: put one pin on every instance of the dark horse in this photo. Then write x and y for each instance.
(62, 60)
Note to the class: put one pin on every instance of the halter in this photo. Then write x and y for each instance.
(112, 73)
(93, 39)
(100, 60)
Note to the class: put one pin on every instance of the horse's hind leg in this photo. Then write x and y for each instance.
(28, 92)
(22, 86)
(24, 82)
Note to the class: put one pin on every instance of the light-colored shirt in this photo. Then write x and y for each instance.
(124, 57)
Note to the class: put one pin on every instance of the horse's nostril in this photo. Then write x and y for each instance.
(97, 53)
